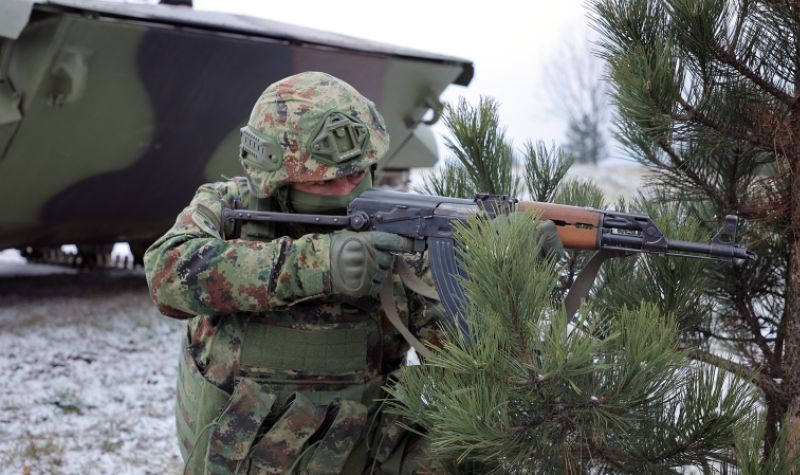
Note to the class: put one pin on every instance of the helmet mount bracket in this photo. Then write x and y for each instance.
(340, 138)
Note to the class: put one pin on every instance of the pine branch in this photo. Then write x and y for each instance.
(623, 462)
(764, 382)
(737, 30)
(709, 92)
(755, 328)
(694, 115)
(527, 357)
(729, 339)
(679, 164)
(694, 442)
(797, 68)
(747, 313)
(726, 58)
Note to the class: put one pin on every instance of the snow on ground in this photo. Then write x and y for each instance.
(89, 370)
(616, 181)
(12, 264)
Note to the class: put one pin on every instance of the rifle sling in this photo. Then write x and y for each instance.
(414, 283)
(390, 309)
(583, 283)
(577, 292)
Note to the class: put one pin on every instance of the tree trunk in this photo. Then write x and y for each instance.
(792, 345)
(773, 420)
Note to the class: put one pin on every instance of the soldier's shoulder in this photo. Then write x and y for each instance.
(230, 189)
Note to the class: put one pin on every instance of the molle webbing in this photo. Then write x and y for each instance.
(312, 352)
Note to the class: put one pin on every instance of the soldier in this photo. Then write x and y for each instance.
(286, 349)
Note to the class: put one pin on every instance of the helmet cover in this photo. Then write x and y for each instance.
(310, 127)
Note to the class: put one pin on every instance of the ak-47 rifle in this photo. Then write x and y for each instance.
(429, 220)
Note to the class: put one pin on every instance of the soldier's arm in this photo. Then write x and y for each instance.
(191, 270)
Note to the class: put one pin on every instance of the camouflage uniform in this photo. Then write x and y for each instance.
(277, 374)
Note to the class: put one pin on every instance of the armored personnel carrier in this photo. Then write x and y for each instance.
(111, 114)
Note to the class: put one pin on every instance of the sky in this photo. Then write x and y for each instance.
(509, 42)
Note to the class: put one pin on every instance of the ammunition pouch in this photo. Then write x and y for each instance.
(305, 400)
(279, 419)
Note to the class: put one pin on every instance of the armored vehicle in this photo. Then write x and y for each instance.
(111, 114)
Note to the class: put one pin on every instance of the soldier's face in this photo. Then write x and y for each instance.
(337, 187)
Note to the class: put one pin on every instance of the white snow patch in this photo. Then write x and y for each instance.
(13, 264)
(617, 181)
(11, 256)
(89, 370)
(122, 250)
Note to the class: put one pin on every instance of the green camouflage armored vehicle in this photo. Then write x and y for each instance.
(111, 114)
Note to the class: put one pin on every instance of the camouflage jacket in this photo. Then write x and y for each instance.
(286, 374)
(268, 273)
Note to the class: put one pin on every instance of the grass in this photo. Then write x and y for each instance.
(37, 454)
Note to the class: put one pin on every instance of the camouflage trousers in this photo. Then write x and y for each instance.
(257, 430)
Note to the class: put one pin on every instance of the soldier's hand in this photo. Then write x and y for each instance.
(360, 261)
(551, 243)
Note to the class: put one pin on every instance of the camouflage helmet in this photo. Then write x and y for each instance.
(310, 127)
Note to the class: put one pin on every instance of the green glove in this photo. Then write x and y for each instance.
(360, 261)
(551, 243)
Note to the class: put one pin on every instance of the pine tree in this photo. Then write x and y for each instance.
(530, 391)
(708, 98)
(574, 89)
(584, 139)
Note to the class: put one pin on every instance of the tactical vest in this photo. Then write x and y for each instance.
(306, 398)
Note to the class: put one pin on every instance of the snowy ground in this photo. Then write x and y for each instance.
(617, 181)
(88, 370)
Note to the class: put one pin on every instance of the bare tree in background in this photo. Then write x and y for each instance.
(576, 91)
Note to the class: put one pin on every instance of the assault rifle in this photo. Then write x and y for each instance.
(428, 221)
